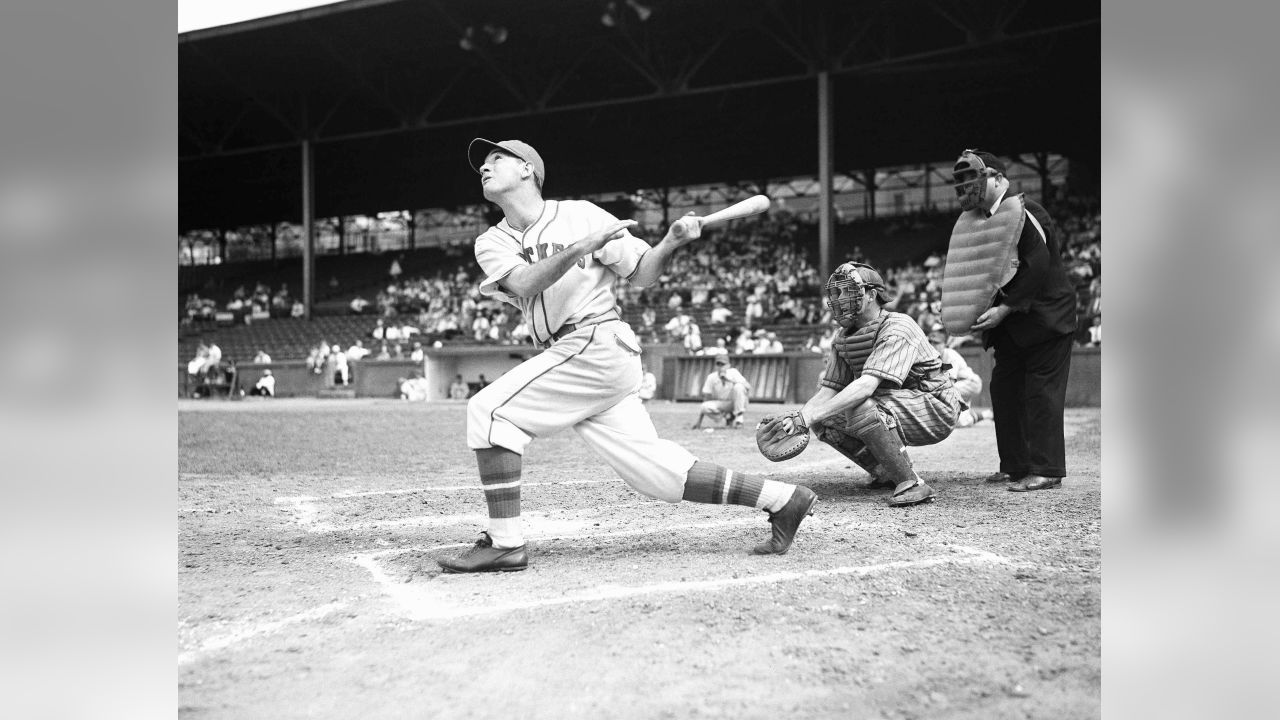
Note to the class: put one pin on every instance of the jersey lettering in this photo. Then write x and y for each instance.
(544, 251)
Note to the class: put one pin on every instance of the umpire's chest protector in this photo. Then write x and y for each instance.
(982, 257)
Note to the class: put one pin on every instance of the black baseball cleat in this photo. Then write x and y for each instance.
(484, 557)
(786, 521)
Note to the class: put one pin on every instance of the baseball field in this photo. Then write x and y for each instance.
(307, 584)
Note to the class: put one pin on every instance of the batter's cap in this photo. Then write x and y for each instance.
(722, 359)
(480, 148)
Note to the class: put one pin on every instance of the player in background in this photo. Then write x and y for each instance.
(967, 382)
(883, 388)
(558, 261)
(724, 394)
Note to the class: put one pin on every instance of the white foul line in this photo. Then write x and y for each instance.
(219, 642)
(426, 604)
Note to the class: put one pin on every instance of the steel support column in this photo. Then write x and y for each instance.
(826, 166)
(308, 227)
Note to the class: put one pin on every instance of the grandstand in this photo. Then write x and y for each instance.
(305, 174)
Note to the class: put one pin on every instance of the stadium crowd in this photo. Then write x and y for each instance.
(750, 288)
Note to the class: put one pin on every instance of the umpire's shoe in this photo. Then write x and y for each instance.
(786, 521)
(484, 557)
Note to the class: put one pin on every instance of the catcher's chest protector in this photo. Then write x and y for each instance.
(982, 257)
(854, 349)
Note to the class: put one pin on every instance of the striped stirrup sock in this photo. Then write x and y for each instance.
(500, 476)
(718, 485)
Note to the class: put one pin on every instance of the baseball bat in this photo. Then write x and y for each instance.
(751, 206)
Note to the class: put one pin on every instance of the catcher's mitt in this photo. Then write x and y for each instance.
(782, 437)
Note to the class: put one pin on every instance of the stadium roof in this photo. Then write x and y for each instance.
(701, 91)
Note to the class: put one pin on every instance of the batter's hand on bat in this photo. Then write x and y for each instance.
(685, 229)
(991, 318)
(604, 235)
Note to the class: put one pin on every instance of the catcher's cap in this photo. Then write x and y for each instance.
(937, 329)
(722, 359)
(480, 148)
(872, 278)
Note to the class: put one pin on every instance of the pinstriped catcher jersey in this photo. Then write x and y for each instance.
(892, 347)
(585, 291)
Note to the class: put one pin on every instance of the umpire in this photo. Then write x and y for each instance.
(1005, 280)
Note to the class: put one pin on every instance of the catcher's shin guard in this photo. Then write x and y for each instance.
(894, 465)
(853, 449)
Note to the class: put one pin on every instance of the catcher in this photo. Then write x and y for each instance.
(885, 387)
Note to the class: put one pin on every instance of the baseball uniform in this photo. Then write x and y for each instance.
(589, 373)
(589, 376)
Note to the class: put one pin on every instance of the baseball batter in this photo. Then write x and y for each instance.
(558, 261)
(884, 386)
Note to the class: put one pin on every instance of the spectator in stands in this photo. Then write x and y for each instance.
(397, 352)
(298, 310)
(678, 327)
(262, 358)
(395, 270)
(282, 301)
(480, 327)
(379, 330)
(745, 343)
(482, 383)
(391, 333)
(965, 380)
(828, 337)
(786, 309)
(520, 333)
(769, 343)
(724, 394)
(649, 321)
(720, 314)
(693, 339)
(754, 312)
(358, 304)
(418, 354)
(383, 353)
(720, 348)
(675, 300)
(458, 389)
(931, 315)
(266, 385)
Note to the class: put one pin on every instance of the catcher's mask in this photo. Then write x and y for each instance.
(846, 291)
(974, 178)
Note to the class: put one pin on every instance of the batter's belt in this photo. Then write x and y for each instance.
(585, 322)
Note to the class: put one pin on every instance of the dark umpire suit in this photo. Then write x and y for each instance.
(1033, 355)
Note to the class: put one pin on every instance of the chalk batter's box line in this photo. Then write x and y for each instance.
(417, 605)
(424, 604)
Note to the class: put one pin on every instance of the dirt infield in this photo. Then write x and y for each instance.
(307, 585)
